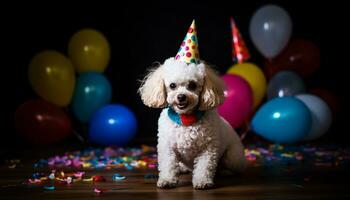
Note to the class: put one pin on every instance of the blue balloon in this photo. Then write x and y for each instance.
(92, 91)
(113, 124)
(283, 120)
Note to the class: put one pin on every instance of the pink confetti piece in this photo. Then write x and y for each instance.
(33, 181)
(99, 191)
(152, 166)
(69, 180)
(79, 174)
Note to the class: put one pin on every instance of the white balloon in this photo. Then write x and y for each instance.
(321, 115)
(270, 30)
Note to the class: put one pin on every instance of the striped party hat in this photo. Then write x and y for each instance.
(188, 51)
(240, 51)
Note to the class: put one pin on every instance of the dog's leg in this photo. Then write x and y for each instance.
(234, 159)
(204, 169)
(168, 168)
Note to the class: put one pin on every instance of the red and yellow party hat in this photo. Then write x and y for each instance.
(188, 51)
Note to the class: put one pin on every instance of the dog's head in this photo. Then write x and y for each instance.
(184, 87)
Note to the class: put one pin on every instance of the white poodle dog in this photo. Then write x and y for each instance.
(191, 134)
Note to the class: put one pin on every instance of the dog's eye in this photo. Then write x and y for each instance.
(172, 86)
(192, 86)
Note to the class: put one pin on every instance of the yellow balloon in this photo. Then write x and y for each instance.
(89, 51)
(52, 76)
(254, 76)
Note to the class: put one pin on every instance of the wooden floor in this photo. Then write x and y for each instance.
(257, 182)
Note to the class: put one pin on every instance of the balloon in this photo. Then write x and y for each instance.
(301, 56)
(42, 122)
(89, 51)
(113, 124)
(330, 98)
(270, 30)
(254, 76)
(285, 83)
(238, 102)
(92, 91)
(285, 120)
(321, 115)
(52, 77)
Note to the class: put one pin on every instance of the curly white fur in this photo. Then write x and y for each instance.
(201, 146)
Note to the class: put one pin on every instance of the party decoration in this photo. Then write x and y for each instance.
(312, 156)
(42, 122)
(285, 83)
(270, 30)
(113, 124)
(118, 177)
(188, 51)
(254, 76)
(240, 52)
(92, 91)
(329, 97)
(285, 120)
(114, 158)
(238, 102)
(52, 77)
(321, 115)
(89, 51)
(301, 56)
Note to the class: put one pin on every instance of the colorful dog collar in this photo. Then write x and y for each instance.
(185, 119)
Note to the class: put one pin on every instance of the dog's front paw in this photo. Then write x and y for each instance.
(167, 183)
(202, 184)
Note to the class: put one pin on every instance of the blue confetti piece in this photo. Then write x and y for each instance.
(128, 167)
(49, 187)
(36, 175)
(118, 177)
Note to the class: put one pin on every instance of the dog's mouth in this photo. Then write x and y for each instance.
(182, 106)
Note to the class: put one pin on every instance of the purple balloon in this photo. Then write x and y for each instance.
(239, 100)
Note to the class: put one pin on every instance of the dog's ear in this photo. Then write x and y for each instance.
(152, 89)
(213, 90)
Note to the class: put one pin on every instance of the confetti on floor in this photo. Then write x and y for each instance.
(118, 177)
(99, 191)
(108, 158)
(307, 155)
(13, 163)
(258, 154)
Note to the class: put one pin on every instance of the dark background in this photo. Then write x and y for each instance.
(142, 34)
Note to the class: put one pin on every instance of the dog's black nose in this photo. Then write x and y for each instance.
(181, 97)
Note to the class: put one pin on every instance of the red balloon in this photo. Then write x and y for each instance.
(300, 55)
(42, 122)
